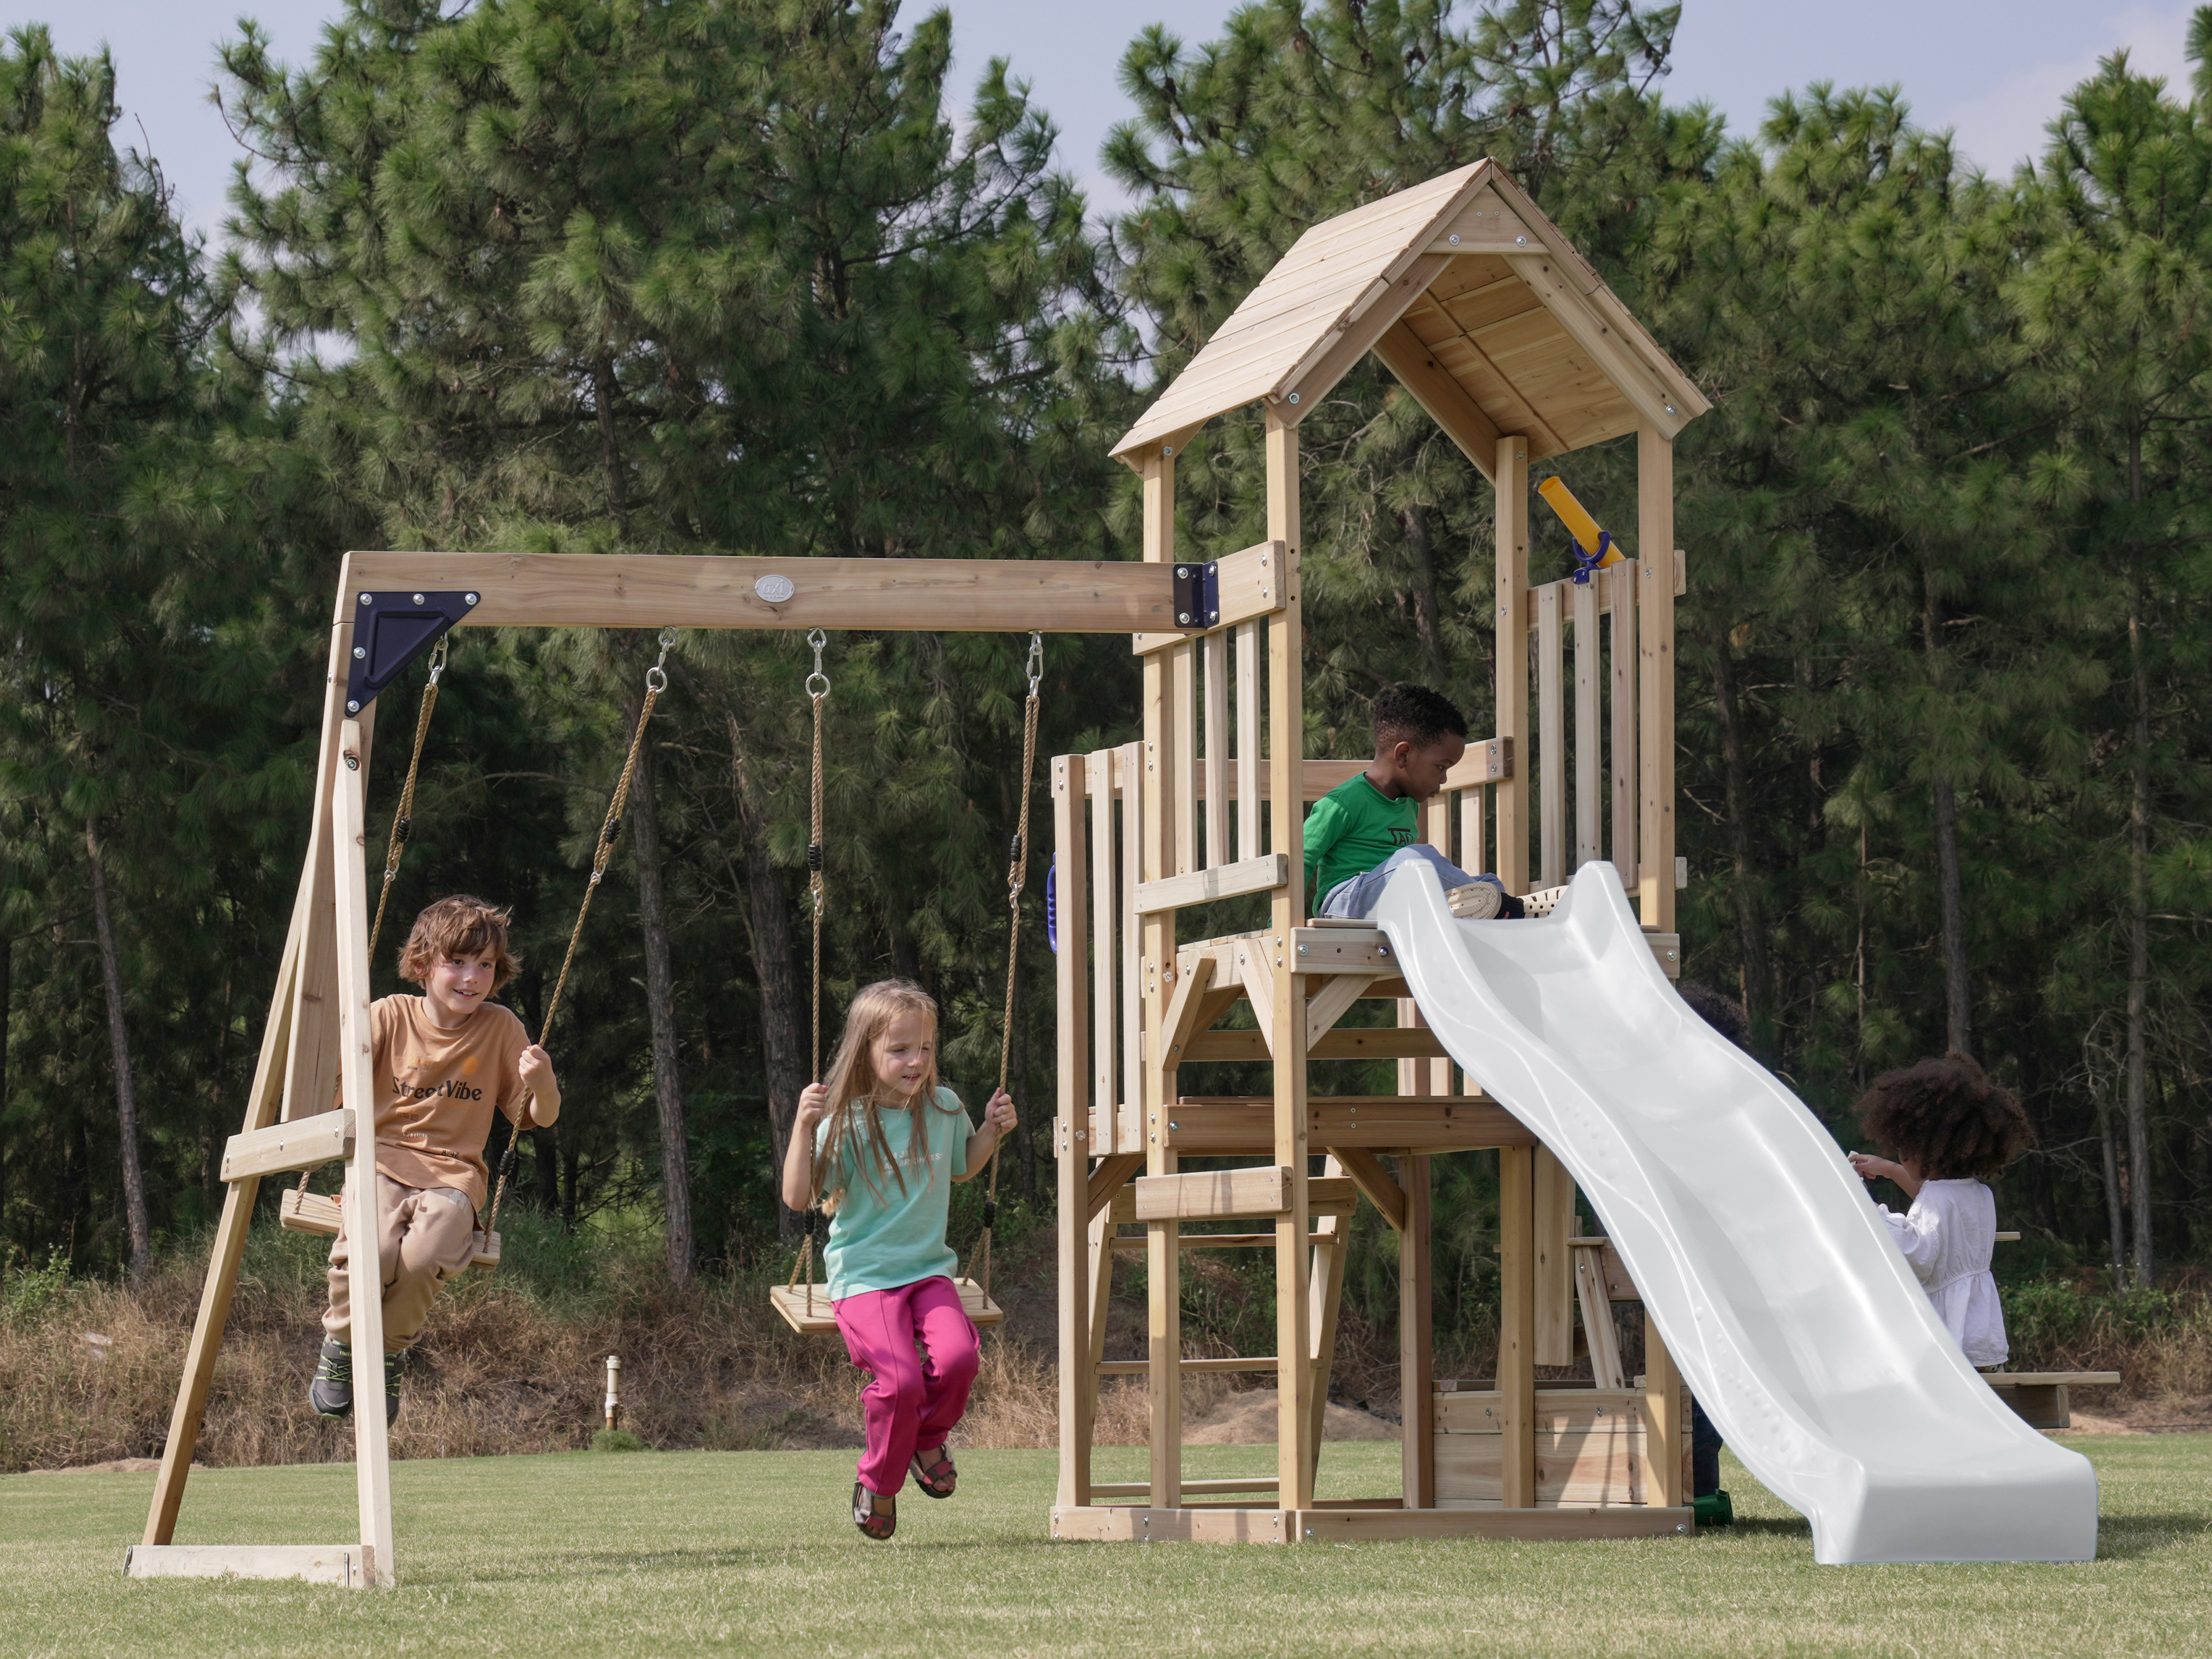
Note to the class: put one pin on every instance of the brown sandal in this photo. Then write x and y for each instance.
(937, 1478)
(874, 1523)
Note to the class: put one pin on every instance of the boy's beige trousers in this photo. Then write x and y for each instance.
(425, 1235)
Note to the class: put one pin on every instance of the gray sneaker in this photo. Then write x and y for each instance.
(331, 1392)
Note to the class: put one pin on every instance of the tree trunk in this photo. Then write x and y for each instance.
(604, 390)
(1950, 886)
(2113, 1217)
(1427, 614)
(783, 1035)
(1750, 926)
(118, 1042)
(660, 1011)
(7, 963)
(2138, 1106)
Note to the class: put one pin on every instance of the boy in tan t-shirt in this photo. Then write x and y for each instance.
(443, 1062)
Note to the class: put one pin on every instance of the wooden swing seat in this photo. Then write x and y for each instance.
(805, 1308)
(317, 1213)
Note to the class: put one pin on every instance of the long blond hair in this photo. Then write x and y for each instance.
(855, 1125)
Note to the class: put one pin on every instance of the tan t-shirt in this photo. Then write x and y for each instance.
(437, 1088)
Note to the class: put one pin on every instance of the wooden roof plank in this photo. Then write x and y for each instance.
(1432, 386)
(1534, 341)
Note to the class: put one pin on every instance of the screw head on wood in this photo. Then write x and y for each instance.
(1294, 397)
(1453, 238)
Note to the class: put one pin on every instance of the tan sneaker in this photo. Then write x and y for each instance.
(1476, 902)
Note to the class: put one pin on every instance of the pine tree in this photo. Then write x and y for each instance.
(2116, 300)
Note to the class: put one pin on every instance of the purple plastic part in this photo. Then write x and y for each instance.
(1052, 905)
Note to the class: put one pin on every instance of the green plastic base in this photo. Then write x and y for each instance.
(1714, 1510)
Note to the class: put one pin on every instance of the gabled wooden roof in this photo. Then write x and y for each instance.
(1470, 296)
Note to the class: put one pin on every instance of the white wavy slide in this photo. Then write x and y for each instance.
(1795, 1319)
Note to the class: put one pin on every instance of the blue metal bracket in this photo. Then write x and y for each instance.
(390, 630)
(1197, 595)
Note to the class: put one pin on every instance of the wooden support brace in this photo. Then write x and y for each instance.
(1381, 1187)
(305, 1143)
(1329, 1004)
(1111, 1175)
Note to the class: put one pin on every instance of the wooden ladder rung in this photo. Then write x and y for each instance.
(1139, 1367)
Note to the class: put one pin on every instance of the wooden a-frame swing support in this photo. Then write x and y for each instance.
(1500, 331)
(391, 608)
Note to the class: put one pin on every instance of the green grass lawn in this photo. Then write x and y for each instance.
(750, 1552)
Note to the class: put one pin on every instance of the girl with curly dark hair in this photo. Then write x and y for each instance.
(1950, 1127)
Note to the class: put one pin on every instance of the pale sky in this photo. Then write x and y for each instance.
(1992, 70)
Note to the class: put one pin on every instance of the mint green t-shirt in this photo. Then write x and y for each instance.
(882, 1237)
(1352, 828)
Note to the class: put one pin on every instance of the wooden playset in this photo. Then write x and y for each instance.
(1494, 324)
(1507, 338)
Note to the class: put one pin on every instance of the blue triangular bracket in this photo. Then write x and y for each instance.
(390, 630)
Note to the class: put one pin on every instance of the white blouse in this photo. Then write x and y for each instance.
(1948, 1236)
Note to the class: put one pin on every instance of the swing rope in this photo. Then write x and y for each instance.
(656, 682)
(403, 816)
(1017, 865)
(817, 692)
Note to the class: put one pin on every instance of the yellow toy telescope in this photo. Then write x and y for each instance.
(1594, 548)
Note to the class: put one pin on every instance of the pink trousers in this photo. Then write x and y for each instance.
(911, 1402)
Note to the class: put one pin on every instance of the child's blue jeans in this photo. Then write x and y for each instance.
(1357, 895)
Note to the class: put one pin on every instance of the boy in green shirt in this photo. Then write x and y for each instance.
(1362, 831)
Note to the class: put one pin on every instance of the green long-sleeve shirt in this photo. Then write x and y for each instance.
(1352, 828)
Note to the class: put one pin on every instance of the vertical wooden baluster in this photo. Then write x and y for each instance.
(1551, 734)
(1217, 749)
(1590, 742)
(1105, 958)
(1248, 655)
(1623, 643)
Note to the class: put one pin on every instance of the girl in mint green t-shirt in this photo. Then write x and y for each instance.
(879, 1147)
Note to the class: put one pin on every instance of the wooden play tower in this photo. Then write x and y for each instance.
(1491, 320)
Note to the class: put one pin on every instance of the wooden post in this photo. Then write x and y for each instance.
(1070, 1144)
(1517, 1323)
(1162, 808)
(1326, 1294)
(1655, 533)
(311, 1061)
(1288, 1017)
(1510, 856)
(365, 1271)
(1663, 1421)
(1555, 1271)
(262, 1100)
(1417, 1405)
